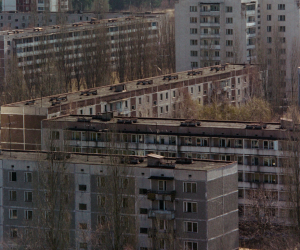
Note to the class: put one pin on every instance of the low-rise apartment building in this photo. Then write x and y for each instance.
(186, 204)
(159, 96)
(31, 48)
(259, 149)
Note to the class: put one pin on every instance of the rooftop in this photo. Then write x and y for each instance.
(36, 31)
(110, 90)
(171, 122)
(101, 159)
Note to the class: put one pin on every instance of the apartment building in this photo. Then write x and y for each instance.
(214, 32)
(187, 204)
(259, 149)
(158, 96)
(23, 20)
(30, 5)
(33, 47)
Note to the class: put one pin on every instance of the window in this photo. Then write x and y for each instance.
(28, 215)
(28, 196)
(143, 211)
(193, 42)
(193, 8)
(100, 181)
(187, 141)
(12, 195)
(224, 143)
(254, 161)
(194, 64)
(281, 28)
(163, 225)
(270, 178)
(229, 54)
(229, 31)
(229, 9)
(28, 177)
(202, 142)
(238, 143)
(269, 162)
(162, 185)
(189, 207)
(193, 19)
(189, 245)
(268, 145)
(189, 187)
(13, 214)
(281, 18)
(162, 205)
(162, 244)
(82, 206)
(269, 18)
(194, 53)
(83, 245)
(83, 226)
(229, 20)
(101, 220)
(269, 28)
(161, 109)
(190, 227)
(282, 39)
(217, 53)
(12, 176)
(101, 200)
(82, 187)
(143, 230)
(123, 183)
(229, 42)
(269, 6)
(13, 233)
(269, 39)
(254, 144)
(76, 136)
(281, 6)
(193, 31)
(125, 202)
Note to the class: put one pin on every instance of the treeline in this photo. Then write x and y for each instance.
(116, 5)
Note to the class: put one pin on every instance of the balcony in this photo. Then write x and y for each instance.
(161, 195)
(209, 24)
(161, 214)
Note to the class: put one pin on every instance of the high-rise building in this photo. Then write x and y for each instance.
(217, 32)
(35, 5)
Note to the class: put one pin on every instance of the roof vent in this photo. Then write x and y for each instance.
(193, 73)
(77, 24)
(112, 20)
(144, 82)
(37, 29)
(190, 123)
(31, 102)
(89, 92)
(170, 77)
(184, 161)
(256, 126)
(118, 88)
(58, 98)
(83, 120)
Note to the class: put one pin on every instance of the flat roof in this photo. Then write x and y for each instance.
(166, 122)
(105, 91)
(44, 30)
(100, 159)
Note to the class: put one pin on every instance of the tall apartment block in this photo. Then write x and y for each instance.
(160, 96)
(40, 5)
(217, 32)
(190, 205)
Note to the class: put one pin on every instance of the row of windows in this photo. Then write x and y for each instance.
(13, 195)
(280, 18)
(280, 6)
(12, 176)
(13, 214)
(280, 29)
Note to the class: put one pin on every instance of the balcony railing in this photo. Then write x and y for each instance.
(161, 195)
(161, 214)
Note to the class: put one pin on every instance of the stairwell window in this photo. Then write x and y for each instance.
(189, 207)
(189, 187)
(191, 227)
(189, 245)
